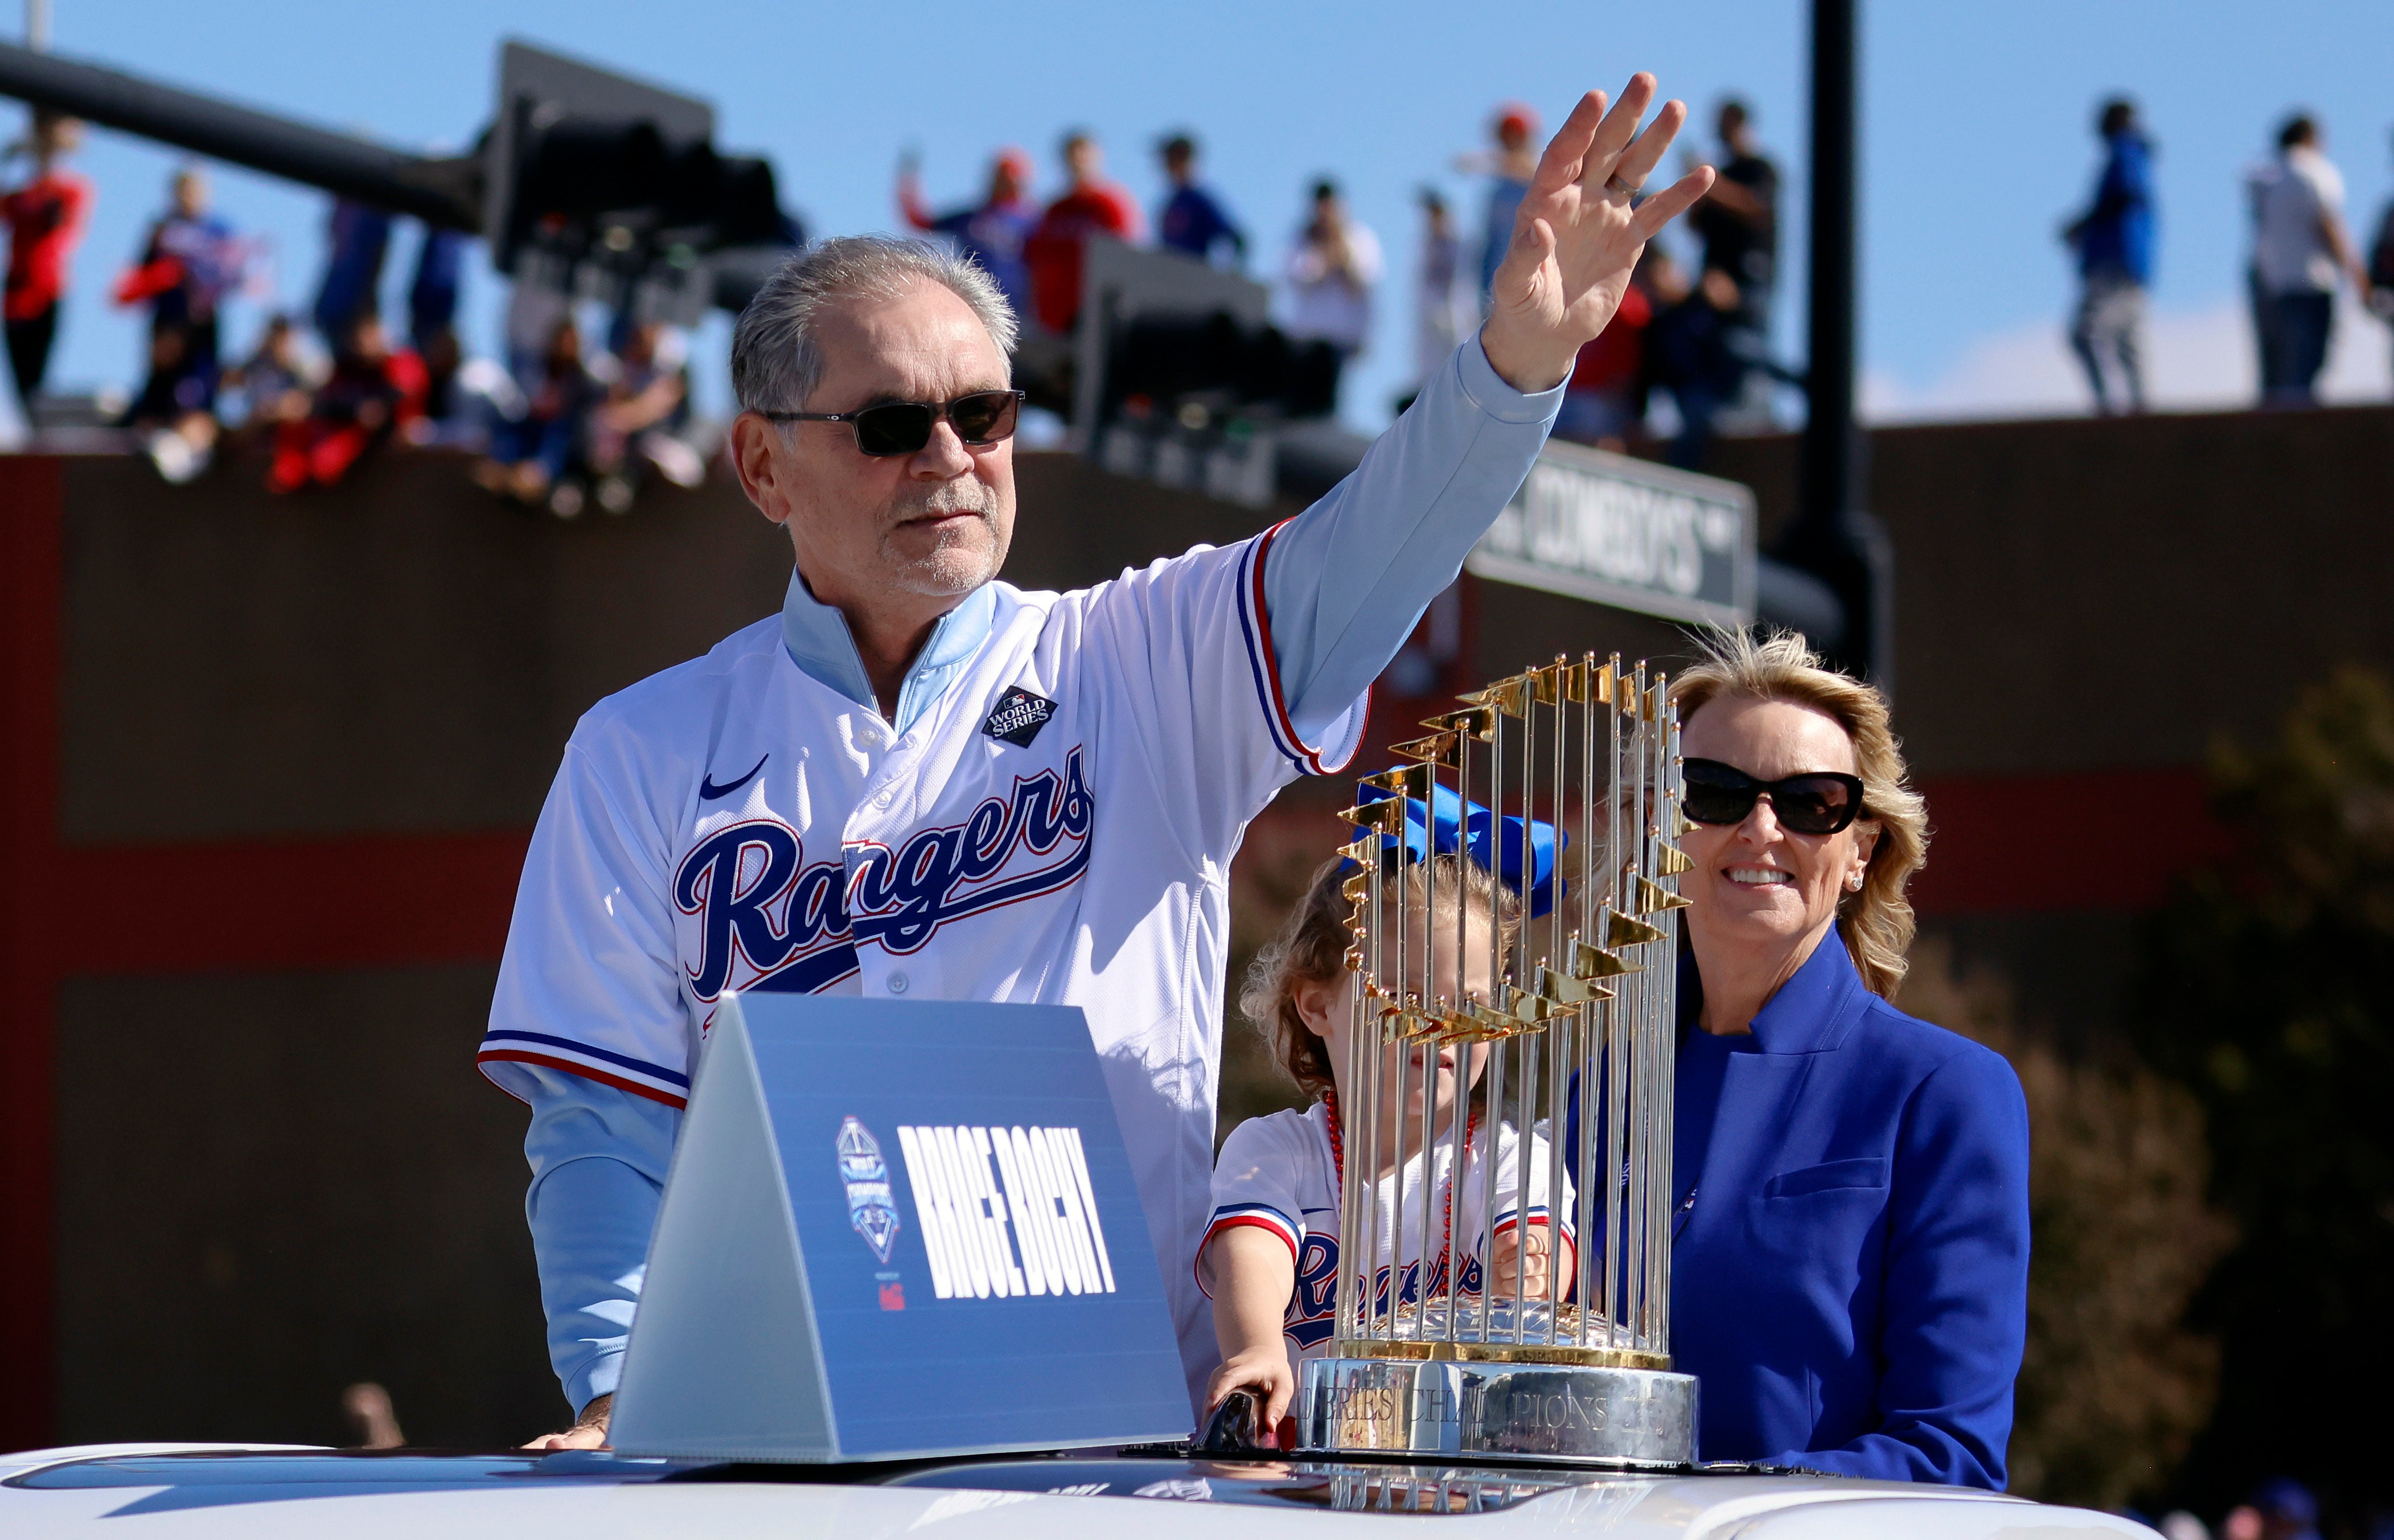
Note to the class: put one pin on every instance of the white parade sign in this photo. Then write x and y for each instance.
(1618, 531)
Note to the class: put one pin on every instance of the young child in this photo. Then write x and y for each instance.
(1269, 1260)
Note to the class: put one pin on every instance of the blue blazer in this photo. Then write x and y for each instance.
(1849, 1272)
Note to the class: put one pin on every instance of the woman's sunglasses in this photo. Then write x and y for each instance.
(1820, 802)
(903, 427)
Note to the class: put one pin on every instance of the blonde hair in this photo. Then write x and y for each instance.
(1312, 948)
(1877, 923)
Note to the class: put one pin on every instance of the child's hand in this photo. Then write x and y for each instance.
(1508, 1254)
(1263, 1369)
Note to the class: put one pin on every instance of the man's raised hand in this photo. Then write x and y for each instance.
(1577, 238)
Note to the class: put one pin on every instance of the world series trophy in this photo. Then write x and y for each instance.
(1577, 1011)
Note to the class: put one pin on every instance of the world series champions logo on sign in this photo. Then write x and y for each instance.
(870, 1209)
(767, 1332)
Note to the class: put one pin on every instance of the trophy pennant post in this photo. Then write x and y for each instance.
(1559, 788)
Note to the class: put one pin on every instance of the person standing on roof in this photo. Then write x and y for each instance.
(1739, 223)
(45, 214)
(990, 232)
(1739, 218)
(1091, 205)
(1331, 271)
(2115, 242)
(1447, 309)
(191, 261)
(2379, 296)
(2300, 247)
(1192, 219)
(1508, 166)
(357, 241)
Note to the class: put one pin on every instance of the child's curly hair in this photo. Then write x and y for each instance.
(1312, 948)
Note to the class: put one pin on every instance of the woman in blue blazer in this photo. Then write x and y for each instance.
(1849, 1276)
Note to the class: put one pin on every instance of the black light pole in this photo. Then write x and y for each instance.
(1832, 537)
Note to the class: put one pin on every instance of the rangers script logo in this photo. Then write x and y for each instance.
(767, 920)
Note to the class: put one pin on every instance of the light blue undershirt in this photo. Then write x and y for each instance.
(1392, 535)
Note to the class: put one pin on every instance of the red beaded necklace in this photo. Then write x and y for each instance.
(1338, 1163)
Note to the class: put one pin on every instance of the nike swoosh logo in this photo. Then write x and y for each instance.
(708, 791)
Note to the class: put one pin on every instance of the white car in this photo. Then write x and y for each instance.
(182, 1492)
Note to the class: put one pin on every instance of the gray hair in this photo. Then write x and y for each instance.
(776, 362)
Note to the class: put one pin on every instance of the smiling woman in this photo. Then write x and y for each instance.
(1851, 1263)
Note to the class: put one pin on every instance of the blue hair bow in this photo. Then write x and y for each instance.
(1441, 824)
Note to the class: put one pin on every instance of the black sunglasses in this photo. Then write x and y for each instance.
(903, 427)
(1818, 802)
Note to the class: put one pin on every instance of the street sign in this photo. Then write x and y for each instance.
(897, 1230)
(1612, 530)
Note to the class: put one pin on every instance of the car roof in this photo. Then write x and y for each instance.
(270, 1492)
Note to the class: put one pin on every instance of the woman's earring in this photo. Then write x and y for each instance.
(1855, 882)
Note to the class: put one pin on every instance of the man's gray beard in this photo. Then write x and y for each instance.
(954, 569)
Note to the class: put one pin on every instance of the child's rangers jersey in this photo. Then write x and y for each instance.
(1277, 1173)
(1056, 828)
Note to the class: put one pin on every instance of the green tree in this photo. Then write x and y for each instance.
(2268, 989)
(2113, 1385)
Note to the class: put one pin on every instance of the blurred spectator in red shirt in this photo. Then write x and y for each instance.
(993, 232)
(1599, 404)
(1605, 397)
(45, 214)
(374, 389)
(1090, 206)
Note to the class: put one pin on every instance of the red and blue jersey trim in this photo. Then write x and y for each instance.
(1254, 622)
(1260, 1215)
(1538, 1220)
(621, 1070)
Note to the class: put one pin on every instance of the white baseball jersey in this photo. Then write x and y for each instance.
(1056, 828)
(1278, 1174)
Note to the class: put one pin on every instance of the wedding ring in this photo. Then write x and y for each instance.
(1614, 184)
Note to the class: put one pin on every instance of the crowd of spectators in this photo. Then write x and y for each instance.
(1698, 337)
(1697, 333)
(319, 394)
(564, 421)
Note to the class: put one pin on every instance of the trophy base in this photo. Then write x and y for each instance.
(1548, 1413)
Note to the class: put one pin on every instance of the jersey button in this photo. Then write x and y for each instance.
(897, 984)
(869, 736)
(883, 801)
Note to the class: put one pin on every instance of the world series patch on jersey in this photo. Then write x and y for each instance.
(1056, 828)
(1277, 1173)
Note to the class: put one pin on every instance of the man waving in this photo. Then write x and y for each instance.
(916, 781)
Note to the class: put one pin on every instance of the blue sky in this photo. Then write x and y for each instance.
(1974, 126)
